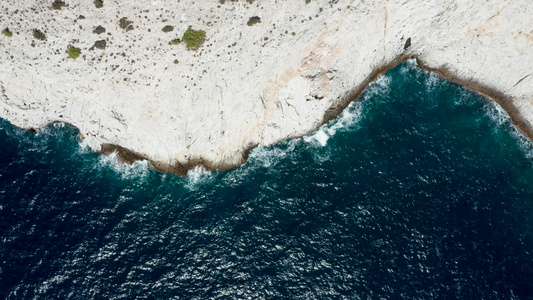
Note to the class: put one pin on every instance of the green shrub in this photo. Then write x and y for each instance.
(7, 32)
(58, 4)
(99, 3)
(168, 28)
(39, 35)
(126, 24)
(101, 44)
(194, 38)
(175, 42)
(253, 20)
(99, 29)
(293, 34)
(73, 52)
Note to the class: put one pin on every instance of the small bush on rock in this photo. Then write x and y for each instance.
(57, 4)
(168, 28)
(7, 32)
(99, 3)
(175, 42)
(73, 52)
(101, 44)
(253, 20)
(126, 24)
(39, 35)
(194, 38)
(99, 29)
(407, 44)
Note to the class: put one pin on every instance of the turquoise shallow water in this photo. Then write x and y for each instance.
(422, 189)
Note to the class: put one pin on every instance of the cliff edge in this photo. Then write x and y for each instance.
(186, 83)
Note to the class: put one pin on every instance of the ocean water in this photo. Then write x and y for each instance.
(422, 189)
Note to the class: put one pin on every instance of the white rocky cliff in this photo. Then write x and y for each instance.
(246, 85)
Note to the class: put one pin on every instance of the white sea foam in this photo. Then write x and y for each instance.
(500, 117)
(83, 147)
(261, 158)
(269, 156)
(409, 66)
(346, 121)
(54, 130)
(320, 136)
(432, 81)
(322, 156)
(40, 140)
(139, 169)
(496, 113)
(197, 177)
(381, 86)
(381, 83)
(525, 144)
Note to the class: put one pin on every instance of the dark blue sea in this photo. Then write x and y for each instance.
(422, 189)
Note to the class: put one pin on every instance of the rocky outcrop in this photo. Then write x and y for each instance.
(149, 96)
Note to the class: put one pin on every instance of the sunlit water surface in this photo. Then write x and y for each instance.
(422, 189)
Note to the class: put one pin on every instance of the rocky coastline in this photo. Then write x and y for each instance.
(186, 83)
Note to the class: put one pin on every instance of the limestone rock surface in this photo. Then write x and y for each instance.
(280, 78)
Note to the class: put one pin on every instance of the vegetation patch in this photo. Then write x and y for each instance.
(126, 24)
(99, 29)
(175, 42)
(407, 44)
(168, 28)
(253, 20)
(7, 32)
(73, 52)
(194, 38)
(58, 4)
(39, 35)
(99, 3)
(101, 44)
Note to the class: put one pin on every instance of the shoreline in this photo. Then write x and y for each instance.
(127, 156)
(333, 114)
(147, 96)
(504, 101)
